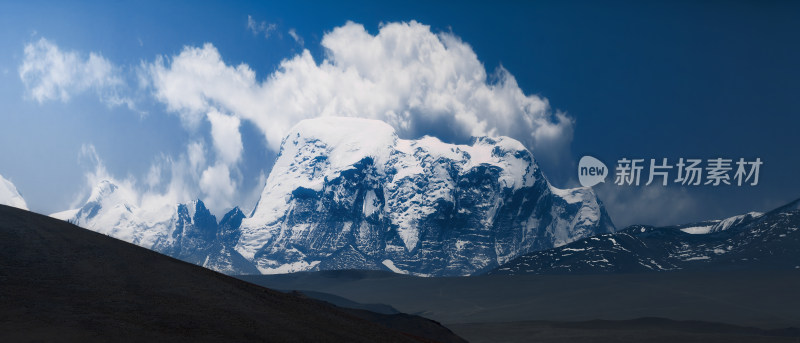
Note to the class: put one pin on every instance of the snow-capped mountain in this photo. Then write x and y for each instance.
(348, 193)
(185, 231)
(752, 240)
(10, 196)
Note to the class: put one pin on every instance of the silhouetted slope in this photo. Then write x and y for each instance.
(61, 282)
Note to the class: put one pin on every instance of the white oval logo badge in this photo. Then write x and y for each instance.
(591, 171)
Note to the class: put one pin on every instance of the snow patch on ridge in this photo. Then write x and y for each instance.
(721, 225)
(389, 264)
(698, 230)
(293, 267)
(571, 196)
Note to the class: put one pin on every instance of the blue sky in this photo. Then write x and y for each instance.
(678, 79)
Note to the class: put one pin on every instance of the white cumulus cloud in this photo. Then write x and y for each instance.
(217, 184)
(416, 80)
(226, 136)
(50, 73)
(169, 181)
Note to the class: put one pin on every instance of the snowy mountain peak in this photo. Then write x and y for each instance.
(10, 196)
(342, 140)
(107, 194)
(103, 189)
(194, 206)
(347, 189)
(111, 209)
(235, 212)
(186, 231)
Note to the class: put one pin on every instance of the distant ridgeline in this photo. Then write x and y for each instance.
(749, 241)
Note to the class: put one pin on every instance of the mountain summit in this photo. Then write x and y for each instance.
(347, 193)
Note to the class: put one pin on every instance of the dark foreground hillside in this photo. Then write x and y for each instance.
(678, 306)
(59, 282)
